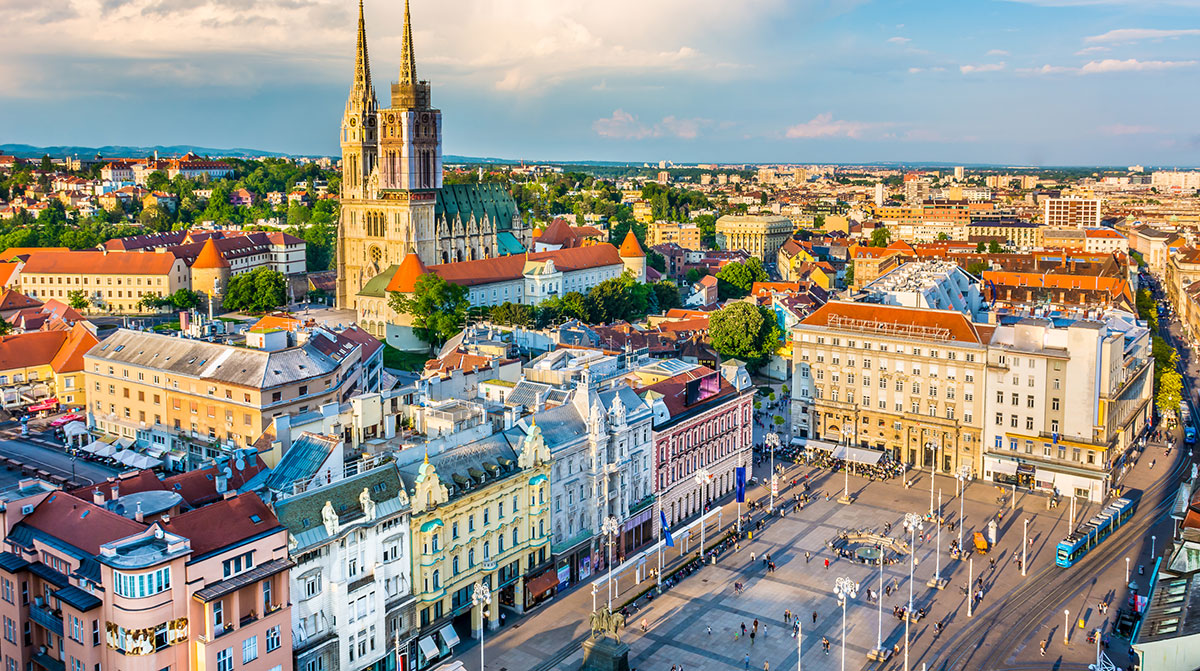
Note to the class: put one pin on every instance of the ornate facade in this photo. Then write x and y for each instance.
(393, 203)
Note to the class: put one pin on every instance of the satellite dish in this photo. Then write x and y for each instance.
(226, 472)
(158, 532)
(240, 464)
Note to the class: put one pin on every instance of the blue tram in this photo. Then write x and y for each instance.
(1089, 534)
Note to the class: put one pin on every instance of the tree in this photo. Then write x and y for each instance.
(620, 299)
(77, 299)
(438, 308)
(734, 280)
(656, 261)
(819, 222)
(976, 268)
(5, 327)
(881, 237)
(943, 236)
(849, 276)
(667, 295)
(694, 274)
(980, 247)
(744, 331)
(260, 290)
(46, 165)
(1170, 393)
(994, 247)
(185, 299)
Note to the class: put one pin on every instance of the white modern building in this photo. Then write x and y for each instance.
(1071, 212)
(934, 285)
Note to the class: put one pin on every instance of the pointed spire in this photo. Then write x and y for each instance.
(362, 64)
(408, 62)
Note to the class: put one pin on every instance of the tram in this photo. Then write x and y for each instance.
(1089, 534)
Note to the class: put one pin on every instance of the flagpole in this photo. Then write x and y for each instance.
(661, 542)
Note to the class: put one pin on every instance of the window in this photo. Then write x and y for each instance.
(1054, 404)
(239, 564)
(1013, 422)
(225, 660)
(138, 585)
(312, 586)
(266, 589)
(218, 610)
(249, 650)
(1029, 424)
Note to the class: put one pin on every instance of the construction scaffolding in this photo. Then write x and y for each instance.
(897, 329)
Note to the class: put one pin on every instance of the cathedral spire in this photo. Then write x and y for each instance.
(408, 62)
(362, 65)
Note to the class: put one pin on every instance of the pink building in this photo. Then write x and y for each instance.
(142, 581)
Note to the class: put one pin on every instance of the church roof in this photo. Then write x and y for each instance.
(476, 200)
(210, 257)
(405, 279)
(377, 286)
(630, 246)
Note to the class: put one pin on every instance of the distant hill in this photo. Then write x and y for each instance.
(30, 151)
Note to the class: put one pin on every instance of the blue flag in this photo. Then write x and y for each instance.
(741, 484)
(666, 532)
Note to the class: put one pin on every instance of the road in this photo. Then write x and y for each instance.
(53, 460)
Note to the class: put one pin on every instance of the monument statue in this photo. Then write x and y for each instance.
(603, 649)
(607, 623)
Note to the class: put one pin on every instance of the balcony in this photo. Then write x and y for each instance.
(360, 583)
(51, 620)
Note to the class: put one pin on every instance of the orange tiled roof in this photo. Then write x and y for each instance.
(70, 356)
(761, 288)
(210, 256)
(630, 246)
(100, 263)
(405, 279)
(30, 349)
(13, 252)
(1114, 286)
(1102, 233)
(278, 321)
(15, 300)
(956, 325)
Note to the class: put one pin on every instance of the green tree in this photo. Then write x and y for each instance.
(849, 276)
(667, 295)
(77, 299)
(976, 268)
(1170, 393)
(46, 166)
(1148, 309)
(656, 261)
(620, 299)
(5, 327)
(744, 331)
(694, 274)
(943, 236)
(259, 290)
(438, 308)
(994, 247)
(734, 280)
(980, 247)
(881, 237)
(185, 299)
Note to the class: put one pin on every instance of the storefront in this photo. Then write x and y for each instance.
(637, 531)
(573, 560)
(437, 645)
(541, 587)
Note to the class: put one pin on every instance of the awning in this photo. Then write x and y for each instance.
(48, 404)
(76, 428)
(798, 441)
(429, 648)
(95, 446)
(449, 635)
(857, 455)
(1004, 466)
(821, 445)
(125, 442)
(431, 525)
(543, 583)
(1026, 469)
(127, 457)
(105, 450)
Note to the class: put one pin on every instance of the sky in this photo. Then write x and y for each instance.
(1013, 82)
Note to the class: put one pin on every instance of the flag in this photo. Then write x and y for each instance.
(1055, 434)
(741, 484)
(666, 532)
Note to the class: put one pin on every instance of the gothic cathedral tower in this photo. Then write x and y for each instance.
(391, 172)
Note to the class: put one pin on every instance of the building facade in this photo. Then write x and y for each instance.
(903, 380)
(110, 282)
(352, 580)
(758, 236)
(1071, 212)
(480, 515)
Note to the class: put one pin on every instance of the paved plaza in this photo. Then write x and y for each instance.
(697, 623)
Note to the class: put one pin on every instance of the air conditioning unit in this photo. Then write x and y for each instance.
(27, 509)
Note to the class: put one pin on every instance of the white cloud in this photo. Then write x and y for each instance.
(1135, 34)
(1048, 70)
(986, 67)
(913, 71)
(625, 126)
(997, 52)
(899, 40)
(824, 125)
(1127, 129)
(1131, 65)
(1087, 51)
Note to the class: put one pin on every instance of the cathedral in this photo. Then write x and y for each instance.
(393, 202)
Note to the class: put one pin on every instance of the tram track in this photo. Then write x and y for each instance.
(1030, 603)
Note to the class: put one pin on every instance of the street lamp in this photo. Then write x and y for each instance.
(610, 529)
(772, 439)
(1153, 540)
(1066, 627)
(1024, 545)
(936, 581)
(964, 474)
(481, 596)
(702, 477)
(844, 588)
(846, 433)
(912, 522)
(1127, 570)
(937, 448)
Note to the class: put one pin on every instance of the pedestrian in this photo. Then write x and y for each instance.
(814, 617)
(751, 555)
(744, 628)
(751, 638)
(766, 666)
(1044, 642)
(710, 631)
(807, 557)
(645, 625)
(826, 563)
(755, 629)
(746, 662)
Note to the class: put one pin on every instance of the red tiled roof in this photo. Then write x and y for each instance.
(15, 300)
(370, 344)
(7, 271)
(630, 247)
(38, 348)
(956, 325)
(79, 522)
(224, 523)
(13, 252)
(210, 256)
(457, 360)
(70, 356)
(501, 268)
(277, 321)
(557, 233)
(99, 263)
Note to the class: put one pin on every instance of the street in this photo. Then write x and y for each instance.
(54, 461)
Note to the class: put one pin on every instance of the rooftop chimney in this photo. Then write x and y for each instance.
(137, 516)
(116, 491)
(98, 497)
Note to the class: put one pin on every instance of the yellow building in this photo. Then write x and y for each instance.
(642, 212)
(113, 282)
(196, 399)
(43, 365)
(480, 514)
(687, 236)
(760, 236)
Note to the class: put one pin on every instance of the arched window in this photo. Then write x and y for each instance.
(435, 541)
(487, 550)
(541, 528)
(455, 565)
(516, 533)
(471, 558)
(437, 579)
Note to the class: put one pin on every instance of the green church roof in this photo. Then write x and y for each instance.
(479, 200)
(376, 287)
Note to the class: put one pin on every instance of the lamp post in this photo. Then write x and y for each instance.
(970, 586)
(937, 448)
(593, 597)
(610, 529)
(702, 477)
(799, 642)
(879, 601)
(846, 433)
(844, 588)
(1153, 541)
(1127, 570)
(912, 522)
(1066, 627)
(772, 439)
(936, 581)
(481, 596)
(1024, 545)
(963, 474)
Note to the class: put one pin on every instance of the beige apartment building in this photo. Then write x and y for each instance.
(759, 236)
(904, 380)
(195, 399)
(112, 282)
(687, 236)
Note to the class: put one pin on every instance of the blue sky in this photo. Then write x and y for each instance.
(1023, 82)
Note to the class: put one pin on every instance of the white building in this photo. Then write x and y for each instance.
(935, 285)
(1104, 241)
(1071, 212)
(351, 587)
(1175, 181)
(1065, 403)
